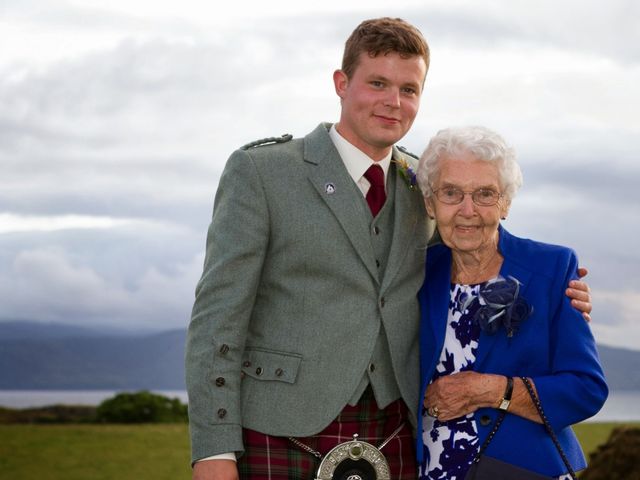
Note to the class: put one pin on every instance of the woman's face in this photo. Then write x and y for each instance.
(467, 227)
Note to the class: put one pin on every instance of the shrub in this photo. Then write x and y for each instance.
(49, 414)
(618, 458)
(141, 407)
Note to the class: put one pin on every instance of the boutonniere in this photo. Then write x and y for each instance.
(407, 173)
(501, 305)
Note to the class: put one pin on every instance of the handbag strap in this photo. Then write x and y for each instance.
(492, 433)
(536, 402)
(547, 426)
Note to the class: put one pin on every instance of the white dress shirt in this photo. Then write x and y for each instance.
(356, 161)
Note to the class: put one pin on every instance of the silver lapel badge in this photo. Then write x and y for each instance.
(329, 188)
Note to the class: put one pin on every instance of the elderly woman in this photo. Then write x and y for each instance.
(493, 311)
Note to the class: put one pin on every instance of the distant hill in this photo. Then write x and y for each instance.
(621, 367)
(21, 329)
(86, 359)
(51, 356)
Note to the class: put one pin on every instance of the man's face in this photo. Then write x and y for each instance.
(379, 101)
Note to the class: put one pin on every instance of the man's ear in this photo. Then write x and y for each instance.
(340, 82)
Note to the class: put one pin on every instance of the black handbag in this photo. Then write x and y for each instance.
(485, 467)
(489, 468)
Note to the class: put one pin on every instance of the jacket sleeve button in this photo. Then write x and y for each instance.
(279, 372)
(224, 349)
(246, 364)
(222, 413)
(220, 381)
(259, 371)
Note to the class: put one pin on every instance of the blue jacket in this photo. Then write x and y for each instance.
(554, 346)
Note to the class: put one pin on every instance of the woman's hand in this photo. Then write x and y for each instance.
(455, 395)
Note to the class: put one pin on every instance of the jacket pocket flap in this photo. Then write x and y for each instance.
(264, 364)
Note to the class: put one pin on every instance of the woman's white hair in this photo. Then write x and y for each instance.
(484, 144)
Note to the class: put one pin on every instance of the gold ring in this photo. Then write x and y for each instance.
(433, 411)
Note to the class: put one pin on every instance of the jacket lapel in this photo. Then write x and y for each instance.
(508, 269)
(405, 222)
(436, 305)
(329, 176)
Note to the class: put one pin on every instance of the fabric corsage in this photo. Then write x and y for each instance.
(501, 305)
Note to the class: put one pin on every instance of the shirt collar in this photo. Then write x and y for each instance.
(356, 161)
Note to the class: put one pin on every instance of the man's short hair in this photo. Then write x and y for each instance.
(383, 36)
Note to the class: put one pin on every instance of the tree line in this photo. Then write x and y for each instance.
(134, 407)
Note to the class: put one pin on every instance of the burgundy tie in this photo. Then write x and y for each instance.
(376, 194)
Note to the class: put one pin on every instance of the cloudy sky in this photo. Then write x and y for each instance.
(116, 121)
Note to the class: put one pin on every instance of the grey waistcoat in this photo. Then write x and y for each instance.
(380, 371)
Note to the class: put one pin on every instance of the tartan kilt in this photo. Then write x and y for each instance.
(276, 458)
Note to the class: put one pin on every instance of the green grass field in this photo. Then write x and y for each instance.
(94, 452)
(128, 452)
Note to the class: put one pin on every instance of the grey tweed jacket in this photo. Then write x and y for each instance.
(289, 305)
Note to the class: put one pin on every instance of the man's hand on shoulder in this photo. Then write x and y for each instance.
(215, 470)
(580, 294)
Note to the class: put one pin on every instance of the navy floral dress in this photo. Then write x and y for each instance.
(449, 447)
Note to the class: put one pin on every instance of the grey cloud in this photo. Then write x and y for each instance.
(601, 232)
(63, 15)
(606, 29)
(139, 277)
(141, 90)
(603, 182)
(151, 122)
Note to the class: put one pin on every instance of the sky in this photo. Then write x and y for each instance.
(116, 120)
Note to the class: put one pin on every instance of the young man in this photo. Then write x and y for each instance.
(306, 316)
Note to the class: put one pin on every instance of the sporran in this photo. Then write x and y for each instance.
(352, 460)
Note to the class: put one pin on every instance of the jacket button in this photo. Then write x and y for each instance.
(259, 371)
(279, 372)
(224, 349)
(220, 381)
(222, 413)
(246, 363)
(372, 367)
(378, 263)
(485, 420)
(376, 230)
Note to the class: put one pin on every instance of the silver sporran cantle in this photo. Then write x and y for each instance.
(354, 460)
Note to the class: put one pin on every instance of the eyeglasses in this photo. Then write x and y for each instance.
(484, 197)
